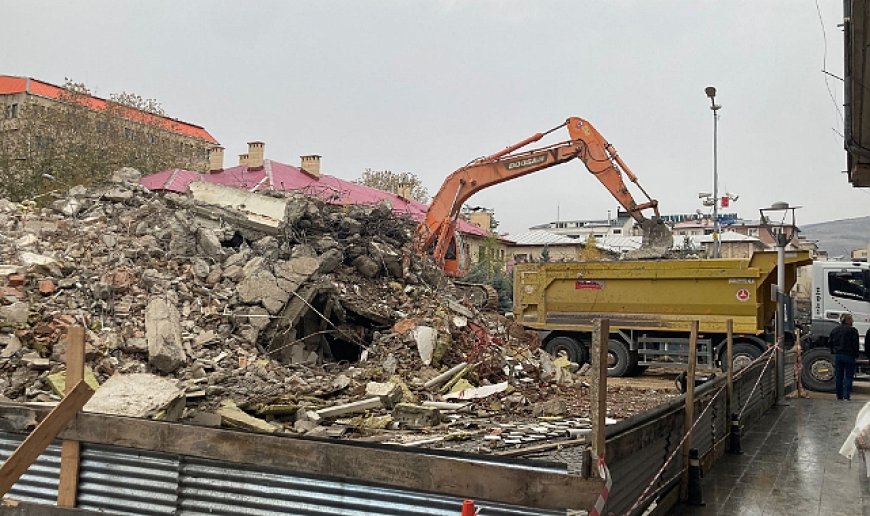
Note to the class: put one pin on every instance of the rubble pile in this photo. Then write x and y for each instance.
(269, 313)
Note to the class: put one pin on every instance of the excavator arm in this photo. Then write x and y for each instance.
(437, 233)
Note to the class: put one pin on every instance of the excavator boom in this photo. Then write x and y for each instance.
(437, 233)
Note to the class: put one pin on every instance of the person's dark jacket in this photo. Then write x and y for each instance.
(844, 340)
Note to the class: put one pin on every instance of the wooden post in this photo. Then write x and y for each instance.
(598, 404)
(67, 488)
(729, 357)
(38, 440)
(690, 403)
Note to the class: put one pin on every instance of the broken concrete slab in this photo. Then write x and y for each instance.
(208, 242)
(366, 266)
(263, 288)
(118, 194)
(29, 259)
(125, 176)
(259, 212)
(163, 332)
(69, 206)
(234, 417)
(139, 395)
(425, 337)
(11, 345)
(416, 416)
(330, 260)
(34, 361)
(390, 393)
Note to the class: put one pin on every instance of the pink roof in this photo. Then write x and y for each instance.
(280, 176)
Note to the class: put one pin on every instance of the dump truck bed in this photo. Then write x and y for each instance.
(653, 295)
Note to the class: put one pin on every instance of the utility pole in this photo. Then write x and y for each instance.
(711, 92)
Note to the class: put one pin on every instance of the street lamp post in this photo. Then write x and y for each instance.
(782, 233)
(711, 92)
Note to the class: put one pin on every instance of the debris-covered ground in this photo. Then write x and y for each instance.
(274, 313)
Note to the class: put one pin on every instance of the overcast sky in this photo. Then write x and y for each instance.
(426, 86)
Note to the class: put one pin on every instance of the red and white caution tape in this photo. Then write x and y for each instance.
(604, 473)
(757, 382)
(645, 496)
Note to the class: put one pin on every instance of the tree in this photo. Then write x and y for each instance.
(590, 251)
(490, 270)
(67, 141)
(545, 254)
(400, 183)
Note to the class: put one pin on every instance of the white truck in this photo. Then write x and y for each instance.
(837, 288)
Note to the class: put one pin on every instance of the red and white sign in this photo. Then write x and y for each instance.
(743, 294)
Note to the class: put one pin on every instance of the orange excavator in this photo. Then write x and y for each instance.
(437, 234)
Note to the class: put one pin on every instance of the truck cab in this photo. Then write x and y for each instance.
(837, 288)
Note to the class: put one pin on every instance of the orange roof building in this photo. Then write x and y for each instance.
(13, 85)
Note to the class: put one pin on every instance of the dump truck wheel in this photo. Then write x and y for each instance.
(575, 351)
(744, 354)
(817, 370)
(619, 361)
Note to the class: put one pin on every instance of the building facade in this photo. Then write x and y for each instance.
(74, 137)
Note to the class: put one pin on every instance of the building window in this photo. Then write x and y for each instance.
(753, 232)
(560, 225)
(12, 111)
(617, 231)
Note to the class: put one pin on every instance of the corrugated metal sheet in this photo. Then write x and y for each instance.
(39, 482)
(210, 487)
(126, 481)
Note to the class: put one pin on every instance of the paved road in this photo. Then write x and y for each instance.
(790, 464)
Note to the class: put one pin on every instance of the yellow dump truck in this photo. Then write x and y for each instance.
(650, 306)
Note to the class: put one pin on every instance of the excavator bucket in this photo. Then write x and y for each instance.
(657, 240)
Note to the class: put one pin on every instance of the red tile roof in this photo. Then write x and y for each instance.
(10, 84)
(280, 176)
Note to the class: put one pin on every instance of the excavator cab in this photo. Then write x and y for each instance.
(455, 258)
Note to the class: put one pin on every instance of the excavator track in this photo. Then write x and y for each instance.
(481, 296)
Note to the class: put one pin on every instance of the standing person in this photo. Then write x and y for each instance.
(844, 346)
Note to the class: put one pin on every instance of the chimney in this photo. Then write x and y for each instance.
(404, 191)
(243, 160)
(255, 155)
(311, 165)
(481, 219)
(215, 159)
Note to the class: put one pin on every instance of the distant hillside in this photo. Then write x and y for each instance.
(839, 237)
